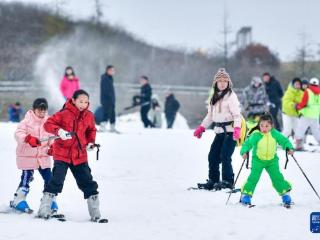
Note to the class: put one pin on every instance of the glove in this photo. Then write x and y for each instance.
(236, 133)
(50, 151)
(198, 132)
(270, 104)
(90, 147)
(64, 135)
(296, 107)
(33, 141)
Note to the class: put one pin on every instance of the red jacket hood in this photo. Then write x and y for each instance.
(315, 89)
(73, 79)
(31, 117)
(70, 106)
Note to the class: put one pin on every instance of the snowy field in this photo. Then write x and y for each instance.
(143, 176)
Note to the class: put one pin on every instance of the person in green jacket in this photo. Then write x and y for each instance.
(264, 156)
(290, 115)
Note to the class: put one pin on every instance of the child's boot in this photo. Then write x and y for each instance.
(45, 206)
(54, 205)
(19, 201)
(286, 199)
(94, 209)
(209, 185)
(245, 199)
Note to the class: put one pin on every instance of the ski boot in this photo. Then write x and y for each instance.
(209, 185)
(245, 200)
(286, 200)
(225, 184)
(94, 209)
(54, 205)
(19, 202)
(45, 206)
(103, 127)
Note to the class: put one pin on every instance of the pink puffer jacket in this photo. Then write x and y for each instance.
(226, 110)
(69, 86)
(27, 157)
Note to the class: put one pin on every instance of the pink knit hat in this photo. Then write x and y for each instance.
(222, 73)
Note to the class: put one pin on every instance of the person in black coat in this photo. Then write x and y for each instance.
(171, 108)
(275, 93)
(145, 101)
(108, 98)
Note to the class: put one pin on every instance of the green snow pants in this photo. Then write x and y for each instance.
(272, 167)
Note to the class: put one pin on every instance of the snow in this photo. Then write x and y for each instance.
(143, 176)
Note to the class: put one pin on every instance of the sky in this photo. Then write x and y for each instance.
(194, 24)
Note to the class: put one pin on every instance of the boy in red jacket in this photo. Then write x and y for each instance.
(70, 151)
(309, 110)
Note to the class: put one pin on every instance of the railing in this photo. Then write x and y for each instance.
(21, 86)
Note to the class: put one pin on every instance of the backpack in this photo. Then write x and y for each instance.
(243, 132)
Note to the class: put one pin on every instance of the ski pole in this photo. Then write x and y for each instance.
(55, 137)
(287, 159)
(235, 180)
(306, 177)
(96, 145)
(98, 150)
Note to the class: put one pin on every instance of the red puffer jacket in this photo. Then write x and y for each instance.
(72, 120)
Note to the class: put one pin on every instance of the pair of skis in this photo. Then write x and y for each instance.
(235, 190)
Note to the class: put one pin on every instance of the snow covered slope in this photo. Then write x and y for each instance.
(143, 176)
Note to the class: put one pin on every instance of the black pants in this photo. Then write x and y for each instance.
(221, 151)
(82, 174)
(170, 120)
(109, 113)
(144, 116)
(274, 112)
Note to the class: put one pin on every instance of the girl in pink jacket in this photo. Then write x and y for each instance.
(69, 83)
(224, 114)
(31, 153)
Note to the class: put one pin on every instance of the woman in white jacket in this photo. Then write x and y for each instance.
(224, 114)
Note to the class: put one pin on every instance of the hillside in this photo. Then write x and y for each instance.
(28, 29)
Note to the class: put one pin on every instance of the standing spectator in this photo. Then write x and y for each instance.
(108, 99)
(155, 114)
(255, 98)
(309, 108)
(15, 112)
(275, 94)
(291, 98)
(304, 84)
(145, 101)
(69, 83)
(171, 108)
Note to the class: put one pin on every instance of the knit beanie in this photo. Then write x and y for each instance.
(222, 73)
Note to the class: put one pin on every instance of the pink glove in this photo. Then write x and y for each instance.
(198, 132)
(236, 133)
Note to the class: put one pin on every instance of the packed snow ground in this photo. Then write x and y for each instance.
(143, 176)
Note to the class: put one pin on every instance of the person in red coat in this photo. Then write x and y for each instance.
(69, 83)
(70, 152)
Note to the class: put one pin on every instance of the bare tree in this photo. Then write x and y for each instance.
(98, 11)
(226, 44)
(58, 6)
(226, 31)
(304, 54)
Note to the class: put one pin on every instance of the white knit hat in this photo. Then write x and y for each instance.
(256, 79)
(314, 81)
(222, 73)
